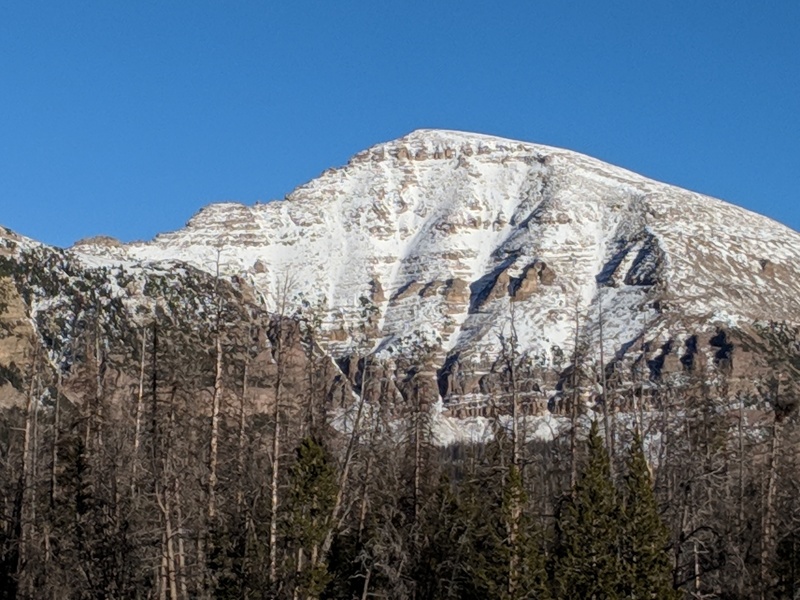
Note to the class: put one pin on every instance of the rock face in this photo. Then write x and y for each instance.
(17, 343)
(84, 328)
(459, 250)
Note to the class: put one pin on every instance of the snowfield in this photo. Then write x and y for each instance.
(442, 237)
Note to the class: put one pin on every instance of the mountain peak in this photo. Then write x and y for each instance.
(431, 140)
(455, 136)
(445, 237)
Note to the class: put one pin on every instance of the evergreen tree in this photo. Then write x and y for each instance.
(499, 564)
(445, 529)
(787, 569)
(586, 562)
(645, 539)
(526, 575)
(226, 560)
(344, 568)
(312, 494)
(482, 558)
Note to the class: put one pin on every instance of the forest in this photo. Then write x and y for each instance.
(178, 482)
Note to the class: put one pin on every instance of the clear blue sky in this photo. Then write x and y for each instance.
(125, 118)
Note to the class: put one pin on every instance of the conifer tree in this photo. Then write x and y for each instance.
(445, 528)
(312, 497)
(526, 576)
(787, 569)
(498, 565)
(645, 539)
(586, 562)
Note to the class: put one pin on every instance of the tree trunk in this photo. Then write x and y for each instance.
(365, 591)
(348, 459)
(298, 571)
(276, 451)
(513, 560)
(138, 418)
(741, 464)
(697, 582)
(362, 511)
(163, 497)
(173, 587)
(163, 579)
(241, 446)
(573, 409)
(181, 544)
(54, 449)
(769, 507)
(99, 361)
(26, 480)
(608, 429)
(511, 364)
(211, 508)
(417, 454)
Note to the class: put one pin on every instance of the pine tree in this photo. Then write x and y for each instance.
(787, 568)
(226, 559)
(312, 498)
(526, 575)
(440, 573)
(586, 562)
(501, 565)
(645, 539)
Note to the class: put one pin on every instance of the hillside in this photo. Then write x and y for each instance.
(428, 247)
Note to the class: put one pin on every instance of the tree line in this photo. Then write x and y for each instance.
(173, 480)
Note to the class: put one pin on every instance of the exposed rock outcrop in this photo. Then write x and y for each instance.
(442, 248)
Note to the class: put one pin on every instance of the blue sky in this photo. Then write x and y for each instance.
(124, 118)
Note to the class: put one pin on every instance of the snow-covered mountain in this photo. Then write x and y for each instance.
(447, 257)
(437, 243)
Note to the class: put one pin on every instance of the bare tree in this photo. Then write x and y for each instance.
(213, 441)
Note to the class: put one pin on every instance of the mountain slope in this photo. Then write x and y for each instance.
(429, 244)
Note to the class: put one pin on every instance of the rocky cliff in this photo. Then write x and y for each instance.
(463, 255)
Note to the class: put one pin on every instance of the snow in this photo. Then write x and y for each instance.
(436, 206)
(448, 430)
(443, 221)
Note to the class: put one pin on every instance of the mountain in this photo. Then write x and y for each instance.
(467, 253)
(293, 396)
(430, 244)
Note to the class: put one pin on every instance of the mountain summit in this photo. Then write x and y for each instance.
(441, 289)
(454, 245)
(451, 260)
